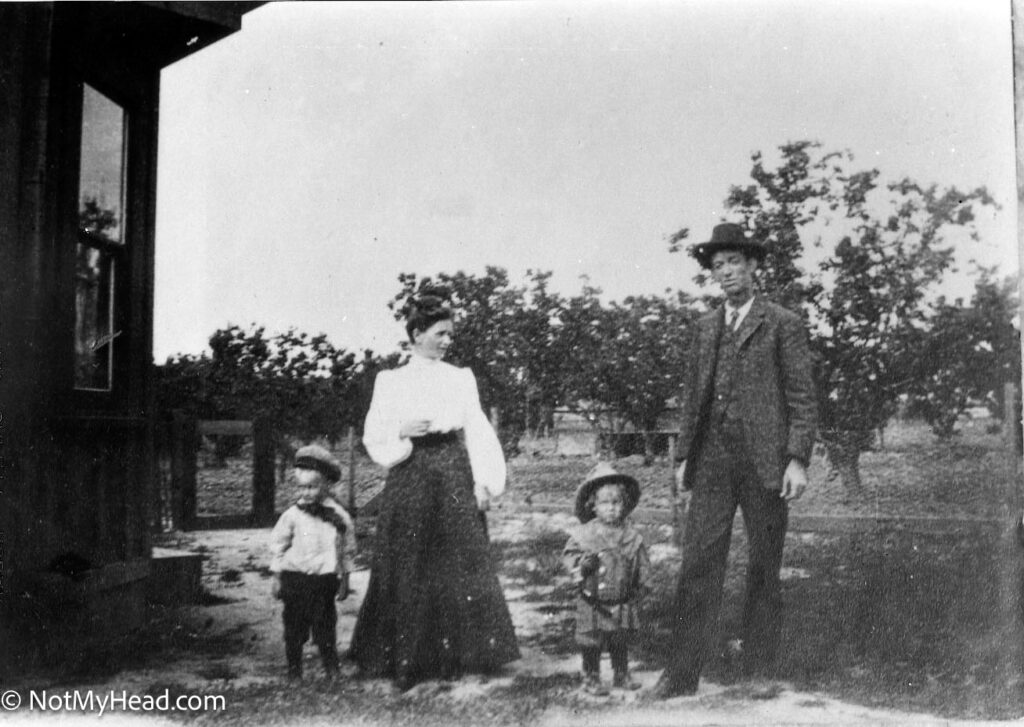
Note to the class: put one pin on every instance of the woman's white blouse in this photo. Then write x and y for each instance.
(447, 397)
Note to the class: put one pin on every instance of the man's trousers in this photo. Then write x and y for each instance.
(725, 477)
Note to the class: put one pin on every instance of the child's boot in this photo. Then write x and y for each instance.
(620, 666)
(592, 673)
(592, 685)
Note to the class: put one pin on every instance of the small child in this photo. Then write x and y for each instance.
(608, 561)
(312, 546)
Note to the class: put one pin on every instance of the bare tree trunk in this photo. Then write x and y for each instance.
(648, 447)
(845, 459)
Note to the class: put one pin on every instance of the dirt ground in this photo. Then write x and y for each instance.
(241, 615)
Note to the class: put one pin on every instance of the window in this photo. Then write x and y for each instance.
(101, 241)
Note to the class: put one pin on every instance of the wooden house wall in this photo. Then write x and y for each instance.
(76, 467)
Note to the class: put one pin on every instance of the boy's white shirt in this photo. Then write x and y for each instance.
(304, 543)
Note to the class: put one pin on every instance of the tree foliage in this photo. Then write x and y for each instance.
(629, 358)
(533, 350)
(881, 249)
(302, 383)
(967, 356)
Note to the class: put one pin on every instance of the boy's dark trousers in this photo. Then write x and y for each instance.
(309, 607)
(617, 643)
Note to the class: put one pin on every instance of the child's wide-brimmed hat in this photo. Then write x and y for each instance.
(315, 457)
(728, 236)
(604, 474)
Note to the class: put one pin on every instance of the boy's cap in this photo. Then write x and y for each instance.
(604, 474)
(315, 457)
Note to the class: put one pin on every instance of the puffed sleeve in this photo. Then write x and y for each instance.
(485, 456)
(383, 424)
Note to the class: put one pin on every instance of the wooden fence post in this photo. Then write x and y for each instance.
(1011, 566)
(263, 466)
(677, 530)
(1011, 424)
(184, 449)
(352, 471)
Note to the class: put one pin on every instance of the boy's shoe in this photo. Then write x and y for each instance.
(294, 674)
(625, 680)
(592, 685)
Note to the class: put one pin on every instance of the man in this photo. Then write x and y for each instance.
(748, 425)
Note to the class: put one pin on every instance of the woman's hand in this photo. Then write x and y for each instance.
(414, 428)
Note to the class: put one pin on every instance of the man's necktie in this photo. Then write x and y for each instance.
(733, 317)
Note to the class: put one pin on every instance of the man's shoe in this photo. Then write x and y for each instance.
(404, 682)
(733, 654)
(669, 687)
(625, 680)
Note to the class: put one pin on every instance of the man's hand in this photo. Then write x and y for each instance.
(794, 481)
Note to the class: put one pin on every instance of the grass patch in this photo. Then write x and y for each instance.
(888, 619)
(895, 620)
(884, 618)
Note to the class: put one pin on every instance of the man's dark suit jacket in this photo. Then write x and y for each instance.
(774, 392)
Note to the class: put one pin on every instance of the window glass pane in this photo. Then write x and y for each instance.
(101, 177)
(94, 317)
(101, 236)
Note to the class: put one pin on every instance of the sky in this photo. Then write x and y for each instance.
(309, 159)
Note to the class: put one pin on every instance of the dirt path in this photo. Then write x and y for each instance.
(247, 623)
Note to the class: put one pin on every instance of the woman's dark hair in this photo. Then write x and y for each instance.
(430, 305)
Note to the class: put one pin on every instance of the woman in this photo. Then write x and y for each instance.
(434, 607)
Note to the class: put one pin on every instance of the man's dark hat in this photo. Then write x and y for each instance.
(727, 236)
(603, 474)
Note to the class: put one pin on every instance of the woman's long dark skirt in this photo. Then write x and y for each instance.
(434, 606)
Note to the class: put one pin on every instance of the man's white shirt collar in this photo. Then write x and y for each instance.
(742, 310)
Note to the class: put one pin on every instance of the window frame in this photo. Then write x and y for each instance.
(135, 90)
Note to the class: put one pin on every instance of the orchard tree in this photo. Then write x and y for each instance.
(996, 305)
(967, 356)
(634, 358)
(885, 248)
(304, 385)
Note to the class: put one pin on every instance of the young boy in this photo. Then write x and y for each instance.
(608, 560)
(312, 546)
